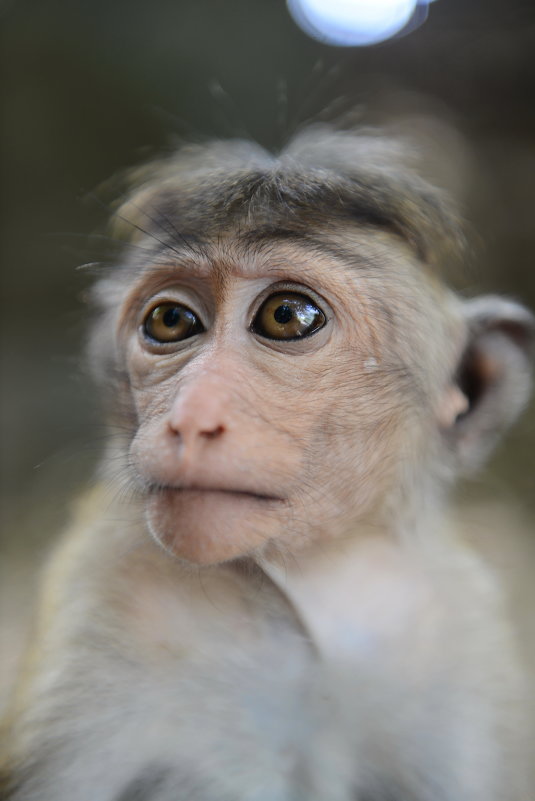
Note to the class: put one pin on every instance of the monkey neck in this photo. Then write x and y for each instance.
(352, 596)
(355, 592)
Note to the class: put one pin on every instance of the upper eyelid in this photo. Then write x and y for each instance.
(165, 301)
(171, 295)
(287, 286)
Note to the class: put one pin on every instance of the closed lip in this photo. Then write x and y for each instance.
(209, 490)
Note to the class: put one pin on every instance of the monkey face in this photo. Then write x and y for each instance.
(271, 399)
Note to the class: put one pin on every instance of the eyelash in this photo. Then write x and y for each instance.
(286, 286)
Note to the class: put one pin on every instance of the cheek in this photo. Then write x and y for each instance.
(356, 455)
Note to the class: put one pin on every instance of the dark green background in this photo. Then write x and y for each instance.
(92, 86)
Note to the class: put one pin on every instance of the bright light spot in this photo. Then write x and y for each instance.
(353, 22)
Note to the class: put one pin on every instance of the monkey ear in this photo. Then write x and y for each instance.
(493, 378)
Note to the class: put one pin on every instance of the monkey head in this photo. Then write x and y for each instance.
(290, 358)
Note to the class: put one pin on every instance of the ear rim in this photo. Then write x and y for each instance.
(494, 374)
(488, 312)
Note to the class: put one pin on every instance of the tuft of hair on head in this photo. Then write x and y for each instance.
(359, 176)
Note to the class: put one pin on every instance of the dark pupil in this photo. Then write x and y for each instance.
(283, 314)
(171, 317)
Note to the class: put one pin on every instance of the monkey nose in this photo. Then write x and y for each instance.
(192, 428)
(197, 418)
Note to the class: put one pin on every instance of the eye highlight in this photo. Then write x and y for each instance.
(171, 322)
(288, 315)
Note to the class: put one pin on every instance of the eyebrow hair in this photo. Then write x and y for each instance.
(260, 237)
(260, 240)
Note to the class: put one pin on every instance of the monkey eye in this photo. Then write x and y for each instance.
(171, 322)
(288, 315)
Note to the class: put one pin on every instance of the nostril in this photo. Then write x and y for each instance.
(212, 433)
(186, 432)
(174, 429)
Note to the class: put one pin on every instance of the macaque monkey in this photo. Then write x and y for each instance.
(263, 597)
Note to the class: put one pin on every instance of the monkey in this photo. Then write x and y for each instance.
(262, 597)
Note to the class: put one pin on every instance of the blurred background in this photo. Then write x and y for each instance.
(94, 86)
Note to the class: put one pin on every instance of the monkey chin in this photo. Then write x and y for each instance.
(206, 527)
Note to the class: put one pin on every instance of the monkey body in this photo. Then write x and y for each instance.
(265, 601)
(261, 682)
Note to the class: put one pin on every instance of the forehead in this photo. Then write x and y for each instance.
(323, 179)
(271, 250)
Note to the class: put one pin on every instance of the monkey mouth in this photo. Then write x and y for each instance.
(207, 524)
(192, 490)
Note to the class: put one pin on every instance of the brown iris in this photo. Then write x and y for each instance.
(171, 322)
(288, 315)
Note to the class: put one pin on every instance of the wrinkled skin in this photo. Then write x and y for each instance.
(247, 443)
